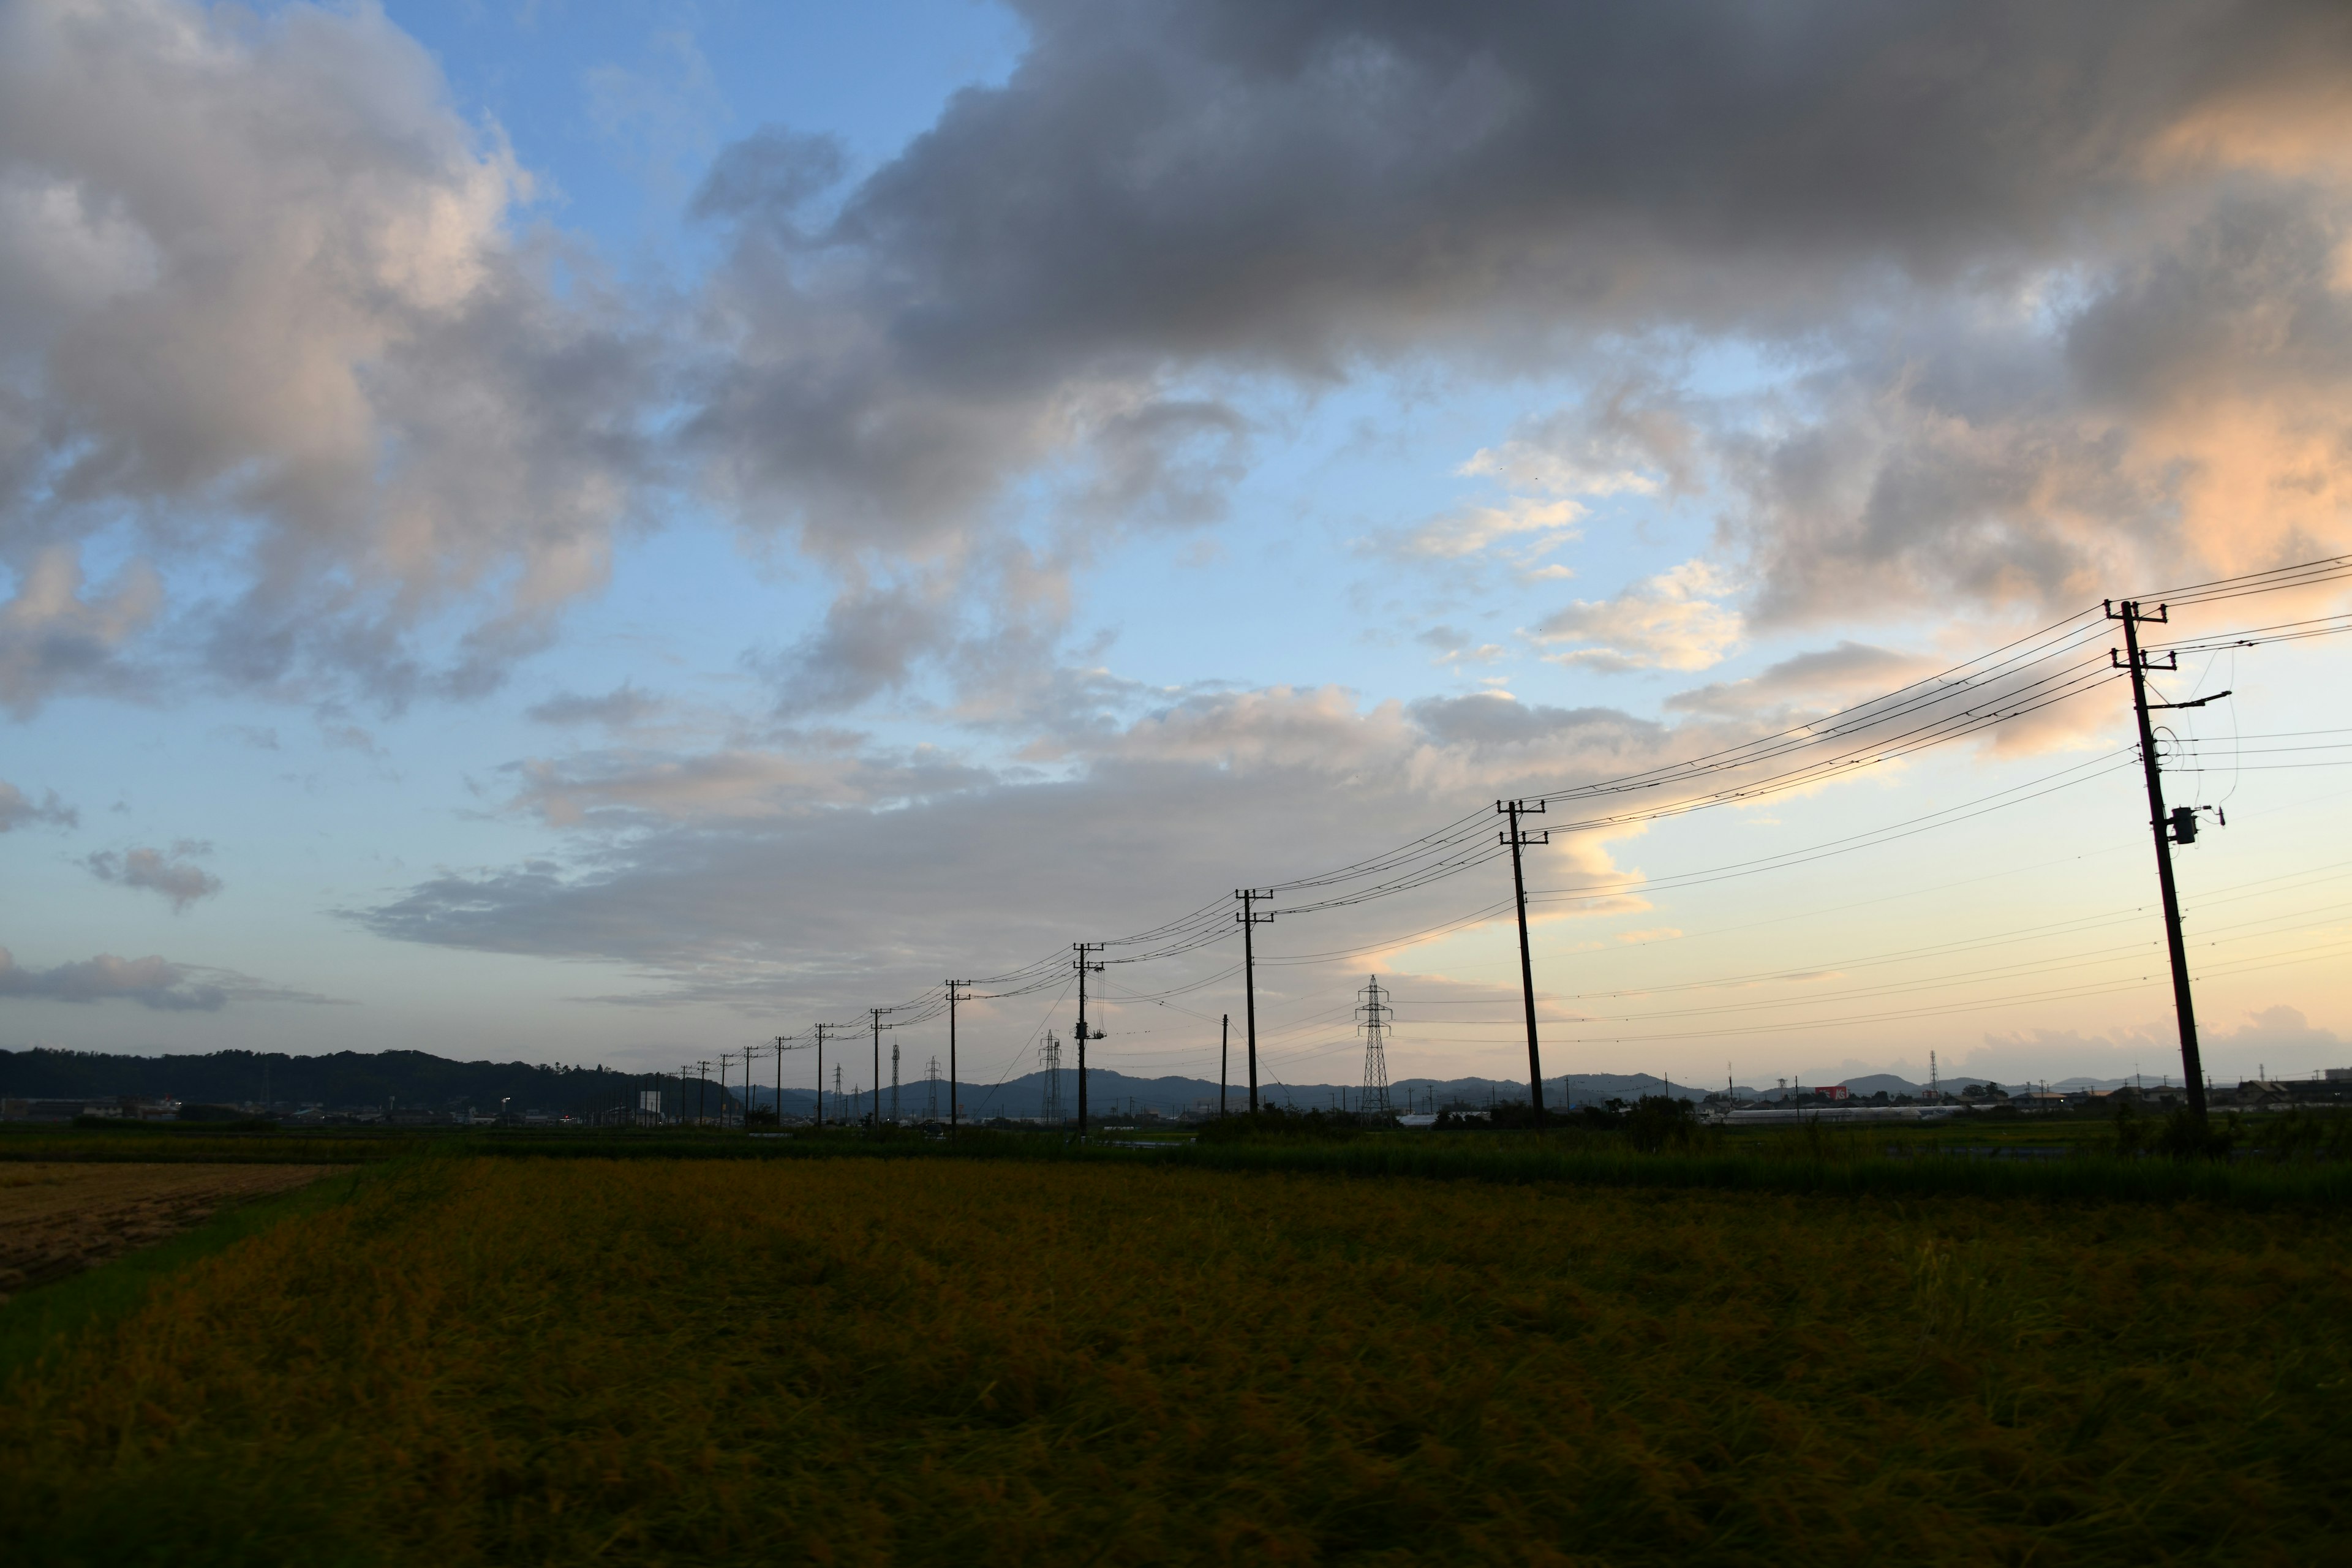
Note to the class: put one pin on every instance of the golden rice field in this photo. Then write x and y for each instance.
(865, 1361)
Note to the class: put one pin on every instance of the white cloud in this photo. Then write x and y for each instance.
(1665, 622)
(260, 281)
(1469, 529)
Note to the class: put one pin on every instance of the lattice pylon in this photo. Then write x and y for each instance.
(1373, 1012)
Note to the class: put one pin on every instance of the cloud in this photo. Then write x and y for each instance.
(1831, 677)
(1630, 436)
(616, 709)
(816, 869)
(151, 982)
(1666, 622)
(1954, 254)
(179, 880)
(1471, 528)
(2027, 302)
(264, 287)
(2280, 1037)
(55, 639)
(16, 809)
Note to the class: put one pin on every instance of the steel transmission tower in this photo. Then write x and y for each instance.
(931, 1091)
(1049, 1056)
(1375, 1013)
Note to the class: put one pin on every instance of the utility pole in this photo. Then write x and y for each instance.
(1083, 966)
(895, 1117)
(820, 1077)
(2175, 827)
(877, 1013)
(956, 992)
(1250, 922)
(779, 1083)
(701, 1093)
(1225, 1059)
(1517, 839)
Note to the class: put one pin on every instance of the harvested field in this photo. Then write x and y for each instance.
(59, 1219)
(867, 1361)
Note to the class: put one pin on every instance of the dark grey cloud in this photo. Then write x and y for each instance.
(281, 312)
(869, 643)
(151, 982)
(174, 875)
(1976, 233)
(17, 809)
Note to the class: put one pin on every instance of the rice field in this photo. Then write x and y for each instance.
(59, 1218)
(475, 1360)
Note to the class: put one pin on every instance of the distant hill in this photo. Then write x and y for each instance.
(411, 1080)
(419, 1080)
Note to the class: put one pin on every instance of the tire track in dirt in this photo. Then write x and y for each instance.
(59, 1219)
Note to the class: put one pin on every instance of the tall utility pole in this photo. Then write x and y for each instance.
(820, 1076)
(877, 1013)
(747, 1051)
(1084, 966)
(701, 1093)
(779, 1083)
(1517, 840)
(895, 1117)
(2175, 827)
(1250, 922)
(956, 992)
(1225, 1059)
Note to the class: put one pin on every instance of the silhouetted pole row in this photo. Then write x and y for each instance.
(2170, 827)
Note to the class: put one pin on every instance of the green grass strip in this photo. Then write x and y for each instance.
(52, 1317)
(1514, 1159)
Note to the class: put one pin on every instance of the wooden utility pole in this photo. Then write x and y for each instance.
(1517, 839)
(1250, 922)
(956, 992)
(1085, 967)
(2177, 826)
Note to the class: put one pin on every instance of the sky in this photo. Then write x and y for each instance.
(597, 534)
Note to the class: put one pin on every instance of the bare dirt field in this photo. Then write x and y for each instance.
(58, 1218)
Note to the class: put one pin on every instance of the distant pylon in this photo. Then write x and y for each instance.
(1375, 1013)
(1049, 1056)
(931, 1091)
